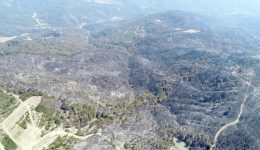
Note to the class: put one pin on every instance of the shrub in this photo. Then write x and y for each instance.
(60, 143)
(8, 143)
(23, 124)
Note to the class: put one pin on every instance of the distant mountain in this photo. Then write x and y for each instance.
(17, 15)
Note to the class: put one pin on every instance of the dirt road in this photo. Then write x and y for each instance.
(236, 121)
(1, 147)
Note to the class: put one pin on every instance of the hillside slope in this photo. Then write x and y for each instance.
(149, 81)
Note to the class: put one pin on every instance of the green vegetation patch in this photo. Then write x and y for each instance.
(43, 109)
(23, 124)
(83, 113)
(61, 143)
(49, 117)
(80, 114)
(25, 94)
(8, 143)
(2, 134)
(7, 104)
(27, 118)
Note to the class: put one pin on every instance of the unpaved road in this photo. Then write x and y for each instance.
(1, 147)
(223, 128)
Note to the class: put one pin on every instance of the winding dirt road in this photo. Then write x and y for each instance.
(223, 128)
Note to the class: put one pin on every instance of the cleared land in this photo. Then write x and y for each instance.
(5, 39)
(30, 138)
(178, 145)
(1, 147)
